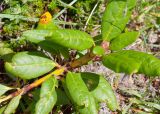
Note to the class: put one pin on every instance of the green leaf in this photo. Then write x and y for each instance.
(149, 63)
(66, 90)
(4, 51)
(54, 48)
(109, 31)
(48, 26)
(50, 47)
(28, 65)
(48, 96)
(4, 44)
(31, 108)
(131, 4)
(120, 63)
(73, 39)
(32, 103)
(36, 36)
(115, 18)
(98, 50)
(7, 57)
(98, 39)
(123, 40)
(100, 89)
(13, 104)
(80, 95)
(129, 61)
(4, 89)
(88, 110)
(62, 98)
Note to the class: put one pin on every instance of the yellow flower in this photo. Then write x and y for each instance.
(45, 18)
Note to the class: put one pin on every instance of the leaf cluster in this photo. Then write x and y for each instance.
(53, 60)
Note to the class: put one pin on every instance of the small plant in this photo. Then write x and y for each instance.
(52, 64)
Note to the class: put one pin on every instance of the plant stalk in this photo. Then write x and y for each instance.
(82, 60)
(36, 83)
(74, 64)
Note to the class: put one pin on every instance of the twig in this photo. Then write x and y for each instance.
(62, 11)
(82, 60)
(74, 64)
(89, 56)
(27, 88)
(65, 5)
(90, 15)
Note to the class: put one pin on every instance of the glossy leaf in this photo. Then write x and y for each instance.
(123, 40)
(80, 95)
(36, 36)
(73, 39)
(98, 50)
(100, 89)
(120, 63)
(66, 90)
(109, 31)
(62, 98)
(115, 18)
(48, 26)
(4, 89)
(88, 110)
(129, 61)
(13, 104)
(28, 65)
(131, 4)
(48, 96)
(4, 51)
(149, 63)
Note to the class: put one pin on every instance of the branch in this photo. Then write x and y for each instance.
(74, 64)
(62, 11)
(89, 56)
(82, 60)
(38, 82)
(90, 15)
